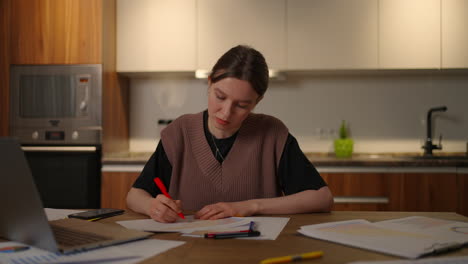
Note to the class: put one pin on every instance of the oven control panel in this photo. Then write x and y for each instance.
(60, 136)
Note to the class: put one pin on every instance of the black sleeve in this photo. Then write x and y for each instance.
(296, 172)
(157, 166)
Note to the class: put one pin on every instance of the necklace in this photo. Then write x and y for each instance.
(217, 149)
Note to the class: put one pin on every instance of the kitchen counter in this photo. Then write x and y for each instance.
(328, 160)
(126, 157)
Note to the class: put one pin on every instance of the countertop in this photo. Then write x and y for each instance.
(328, 159)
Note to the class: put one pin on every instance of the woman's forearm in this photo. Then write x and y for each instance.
(303, 202)
(138, 200)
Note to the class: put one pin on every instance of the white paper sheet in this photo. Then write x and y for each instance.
(410, 237)
(188, 225)
(56, 214)
(443, 260)
(127, 253)
(269, 227)
(201, 233)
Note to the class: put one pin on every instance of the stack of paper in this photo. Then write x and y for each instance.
(269, 227)
(446, 260)
(410, 237)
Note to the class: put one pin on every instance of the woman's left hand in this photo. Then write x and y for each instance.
(223, 210)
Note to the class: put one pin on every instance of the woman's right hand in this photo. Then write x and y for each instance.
(163, 209)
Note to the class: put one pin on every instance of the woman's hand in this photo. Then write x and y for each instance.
(223, 210)
(163, 209)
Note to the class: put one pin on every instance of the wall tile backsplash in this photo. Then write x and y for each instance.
(386, 112)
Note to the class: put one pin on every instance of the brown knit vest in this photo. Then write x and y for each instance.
(249, 170)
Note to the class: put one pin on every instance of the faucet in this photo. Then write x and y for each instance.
(428, 146)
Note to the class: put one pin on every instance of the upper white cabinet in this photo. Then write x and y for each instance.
(332, 34)
(185, 35)
(156, 35)
(454, 33)
(223, 24)
(409, 34)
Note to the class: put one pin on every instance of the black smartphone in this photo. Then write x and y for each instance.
(98, 213)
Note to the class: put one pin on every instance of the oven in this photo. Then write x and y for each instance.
(55, 112)
(66, 176)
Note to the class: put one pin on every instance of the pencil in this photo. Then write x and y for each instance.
(286, 259)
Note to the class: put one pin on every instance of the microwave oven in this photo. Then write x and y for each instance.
(56, 104)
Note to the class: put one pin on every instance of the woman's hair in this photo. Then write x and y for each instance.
(244, 63)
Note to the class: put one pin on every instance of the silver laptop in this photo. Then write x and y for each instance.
(23, 218)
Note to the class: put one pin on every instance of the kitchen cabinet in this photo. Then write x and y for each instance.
(156, 35)
(360, 189)
(409, 34)
(185, 35)
(417, 192)
(332, 34)
(462, 184)
(4, 65)
(114, 188)
(364, 191)
(56, 32)
(429, 192)
(454, 34)
(223, 24)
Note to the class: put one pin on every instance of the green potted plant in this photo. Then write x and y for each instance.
(344, 144)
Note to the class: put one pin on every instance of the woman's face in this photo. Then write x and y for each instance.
(230, 101)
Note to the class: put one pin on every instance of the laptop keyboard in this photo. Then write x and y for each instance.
(70, 238)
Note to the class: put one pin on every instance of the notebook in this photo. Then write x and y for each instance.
(24, 220)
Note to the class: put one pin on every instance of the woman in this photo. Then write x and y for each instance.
(228, 161)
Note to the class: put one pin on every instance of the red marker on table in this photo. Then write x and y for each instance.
(164, 191)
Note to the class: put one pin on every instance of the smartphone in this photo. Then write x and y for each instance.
(98, 213)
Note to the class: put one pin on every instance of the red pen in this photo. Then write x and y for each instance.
(164, 191)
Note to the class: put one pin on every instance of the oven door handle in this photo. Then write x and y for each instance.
(59, 148)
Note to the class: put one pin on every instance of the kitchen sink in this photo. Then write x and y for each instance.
(439, 157)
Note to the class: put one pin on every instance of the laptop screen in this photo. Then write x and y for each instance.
(23, 217)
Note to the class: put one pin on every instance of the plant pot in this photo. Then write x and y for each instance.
(343, 147)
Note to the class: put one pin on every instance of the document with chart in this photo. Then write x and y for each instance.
(409, 237)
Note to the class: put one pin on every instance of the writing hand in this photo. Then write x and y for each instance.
(163, 209)
(223, 210)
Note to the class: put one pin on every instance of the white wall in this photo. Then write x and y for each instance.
(386, 111)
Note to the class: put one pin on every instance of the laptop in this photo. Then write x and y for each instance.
(24, 220)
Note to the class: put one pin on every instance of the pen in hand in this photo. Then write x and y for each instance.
(164, 191)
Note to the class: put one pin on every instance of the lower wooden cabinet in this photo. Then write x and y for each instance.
(417, 192)
(429, 192)
(462, 183)
(364, 191)
(114, 188)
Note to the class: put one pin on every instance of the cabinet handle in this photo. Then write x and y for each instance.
(59, 148)
(361, 199)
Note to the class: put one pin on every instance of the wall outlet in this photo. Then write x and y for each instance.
(325, 133)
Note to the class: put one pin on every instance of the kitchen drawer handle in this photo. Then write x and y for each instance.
(60, 148)
(361, 199)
